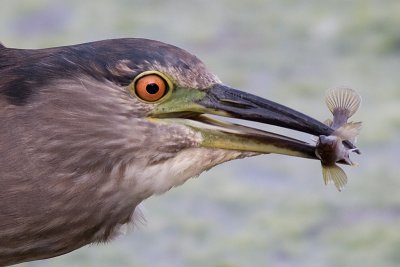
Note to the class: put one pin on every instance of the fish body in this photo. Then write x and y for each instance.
(330, 149)
(343, 103)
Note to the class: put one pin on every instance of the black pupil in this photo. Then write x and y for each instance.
(152, 88)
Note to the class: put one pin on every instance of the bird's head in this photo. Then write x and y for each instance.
(89, 131)
(136, 108)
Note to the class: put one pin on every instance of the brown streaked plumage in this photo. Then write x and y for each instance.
(79, 151)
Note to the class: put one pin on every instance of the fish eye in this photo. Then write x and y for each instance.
(151, 86)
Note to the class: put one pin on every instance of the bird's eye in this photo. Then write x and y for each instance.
(151, 86)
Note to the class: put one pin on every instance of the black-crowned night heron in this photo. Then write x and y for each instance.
(89, 131)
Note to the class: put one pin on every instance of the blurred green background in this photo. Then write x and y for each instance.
(269, 210)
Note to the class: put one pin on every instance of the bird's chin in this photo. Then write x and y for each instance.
(225, 135)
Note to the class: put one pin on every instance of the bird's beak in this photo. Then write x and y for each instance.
(187, 106)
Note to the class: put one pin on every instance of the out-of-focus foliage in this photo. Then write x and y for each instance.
(269, 210)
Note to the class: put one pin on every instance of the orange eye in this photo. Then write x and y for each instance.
(151, 87)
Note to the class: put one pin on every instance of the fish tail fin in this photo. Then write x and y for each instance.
(349, 131)
(334, 174)
(343, 100)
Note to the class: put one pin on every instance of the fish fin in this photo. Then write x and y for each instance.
(328, 122)
(349, 131)
(355, 164)
(348, 160)
(343, 99)
(334, 174)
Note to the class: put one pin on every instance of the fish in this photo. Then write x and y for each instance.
(343, 103)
